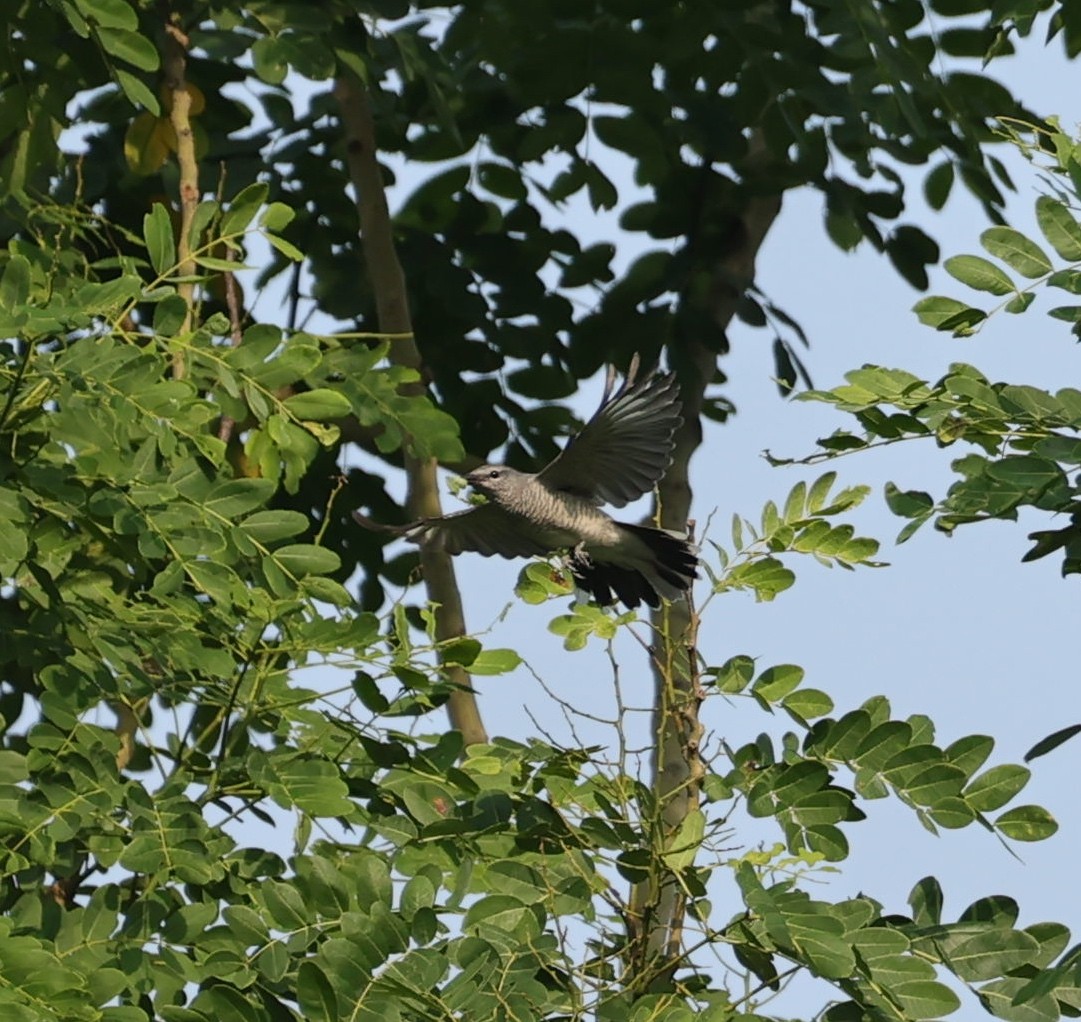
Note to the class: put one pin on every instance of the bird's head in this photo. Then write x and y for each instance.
(495, 480)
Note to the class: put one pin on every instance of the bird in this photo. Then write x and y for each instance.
(619, 455)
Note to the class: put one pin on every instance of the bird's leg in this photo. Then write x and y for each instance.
(579, 555)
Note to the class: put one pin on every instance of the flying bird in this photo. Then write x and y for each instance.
(619, 455)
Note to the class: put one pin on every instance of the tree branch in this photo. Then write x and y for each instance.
(392, 305)
(174, 66)
(676, 727)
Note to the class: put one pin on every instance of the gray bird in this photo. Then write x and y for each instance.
(617, 457)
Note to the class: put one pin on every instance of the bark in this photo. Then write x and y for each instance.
(657, 907)
(392, 305)
(174, 68)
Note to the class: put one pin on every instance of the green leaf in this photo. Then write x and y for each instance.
(938, 184)
(775, 683)
(925, 999)
(808, 703)
(287, 249)
(979, 273)
(1027, 823)
(301, 559)
(238, 496)
(319, 404)
(947, 313)
(992, 953)
(908, 503)
(1017, 251)
(270, 59)
(243, 209)
(15, 284)
(1059, 227)
(138, 92)
(1052, 741)
(504, 915)
(158, 234)
(495, 661)
(247, 924)
(276, 217)
(766, 576)
(285, 905)
(1066, 313)
(502, 180)
(995, 787)
(312, 785)
(268, 526)
(130, 47)
(734, 675)
(109, 13)
(1025, 471)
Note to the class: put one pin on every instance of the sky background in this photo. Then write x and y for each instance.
(955, 628)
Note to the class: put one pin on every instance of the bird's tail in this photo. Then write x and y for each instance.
(666, 565)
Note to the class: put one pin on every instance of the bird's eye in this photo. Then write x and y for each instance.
(494, 474)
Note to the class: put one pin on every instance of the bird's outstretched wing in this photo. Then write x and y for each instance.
(625, 448)
(486, 529)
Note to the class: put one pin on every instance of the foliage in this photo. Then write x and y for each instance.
(1017, 251)
(248, 840)
(1025, 440)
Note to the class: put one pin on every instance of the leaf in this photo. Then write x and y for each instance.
(268, 526)
(734, 675)
(270, 59)
(1027, 823)
(992, 953)
(1059, 227)
(301, 559)
(1025, 471)
(129, 47)
(995, 787)
(109, 13)
(938, 184)
(243, 209)
(908, 503)
(276, 217)
(285, 905)
(502, 180)
(15, 284)
(766, 576)
(319, 404)
(312, 785)
(775, 683)
(808, 703)
(1017, 251)
(158, 234)
(1051, 742)
(947, 313)
(140, 94)
(238, 496)
(1066, 313)
(925, 999)
(495, 661)
(979, 273)
(287, 249)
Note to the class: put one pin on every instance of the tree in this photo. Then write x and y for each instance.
(175, 541)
